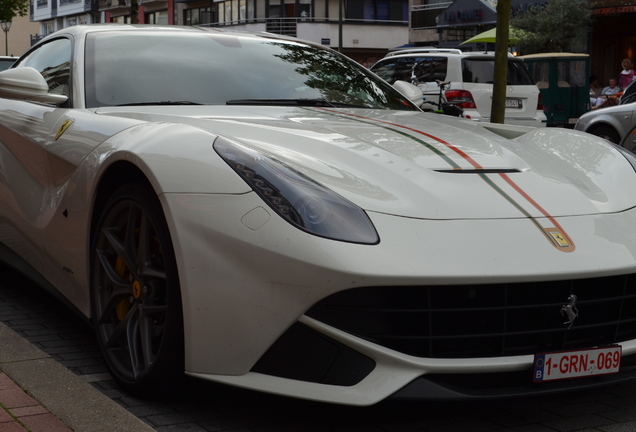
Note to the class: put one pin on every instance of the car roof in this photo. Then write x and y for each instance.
(446, 52)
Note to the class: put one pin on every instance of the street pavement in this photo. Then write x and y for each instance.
(52, 379)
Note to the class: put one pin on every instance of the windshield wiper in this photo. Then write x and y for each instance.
(283, 102)
(292, 102)
(160, 103)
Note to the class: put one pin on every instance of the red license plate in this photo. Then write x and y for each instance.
(576, 364)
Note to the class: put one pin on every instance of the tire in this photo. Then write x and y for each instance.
(606, 132)
(135, 294)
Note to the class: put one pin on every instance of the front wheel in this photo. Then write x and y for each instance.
(606, 132)
(136, 300)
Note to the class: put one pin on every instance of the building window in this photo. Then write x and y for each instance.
(232, 11)
(158, 17)
(457, 34)
(275, 9)
(198, 16)
(304, 9)
(124, 19)
(48, 27)
(377, 10)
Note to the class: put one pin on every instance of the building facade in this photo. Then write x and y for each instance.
(54, 15)
(447, 24)
(364, 30)
(16, 41)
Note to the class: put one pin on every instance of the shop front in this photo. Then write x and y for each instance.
(467, 18)
(613, 37)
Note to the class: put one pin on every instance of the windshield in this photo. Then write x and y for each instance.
(137, 68)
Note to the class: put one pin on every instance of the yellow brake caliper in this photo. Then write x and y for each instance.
(123, 306)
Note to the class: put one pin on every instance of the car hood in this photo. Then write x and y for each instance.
(420, 165)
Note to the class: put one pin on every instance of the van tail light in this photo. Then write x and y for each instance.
(461, 98)
(540, 106)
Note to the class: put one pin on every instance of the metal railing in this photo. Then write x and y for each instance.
(36, 38)
(282, 26)
(441, 5)
(288, 26)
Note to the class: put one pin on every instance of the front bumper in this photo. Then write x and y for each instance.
(248, 277)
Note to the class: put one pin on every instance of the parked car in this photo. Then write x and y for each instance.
(306, 230)
(6, 62)
(629, 141)
(471, 77)
(614, 122)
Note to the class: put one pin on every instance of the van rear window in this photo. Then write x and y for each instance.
(483, 71)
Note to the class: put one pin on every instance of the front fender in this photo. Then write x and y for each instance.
(607, 118)
(163, 153)
(175, 158)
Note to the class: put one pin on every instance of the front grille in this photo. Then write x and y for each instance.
(486, 320)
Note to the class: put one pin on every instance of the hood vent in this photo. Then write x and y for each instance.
(479, 171)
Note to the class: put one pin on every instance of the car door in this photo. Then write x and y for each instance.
(26, 128)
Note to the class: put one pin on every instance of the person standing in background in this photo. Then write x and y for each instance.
(627, 74)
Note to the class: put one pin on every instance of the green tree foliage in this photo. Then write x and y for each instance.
(556, 26)
(12, 8)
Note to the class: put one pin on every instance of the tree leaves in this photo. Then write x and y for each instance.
(12, 8)
(556, 26)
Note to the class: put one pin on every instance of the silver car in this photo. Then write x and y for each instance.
(6, 62)
(612, 123)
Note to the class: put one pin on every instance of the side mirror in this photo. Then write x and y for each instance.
(27, 84)
(411, 91)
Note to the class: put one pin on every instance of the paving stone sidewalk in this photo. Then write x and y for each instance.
(21, 412)
(38, 394)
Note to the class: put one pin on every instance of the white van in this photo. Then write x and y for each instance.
(471, 82)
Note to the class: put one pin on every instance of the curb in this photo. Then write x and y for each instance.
(74, 401)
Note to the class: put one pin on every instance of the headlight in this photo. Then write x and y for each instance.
(301, 201)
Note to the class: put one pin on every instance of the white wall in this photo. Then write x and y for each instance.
(19, 40)
(355, 36)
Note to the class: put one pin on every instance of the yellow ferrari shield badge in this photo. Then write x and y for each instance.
(63, 128)
(560, 239)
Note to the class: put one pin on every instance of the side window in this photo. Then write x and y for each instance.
(430, 69)
(540, 74)
(394, 69)
(412, 69)
(518, 74)
(572, 72)
(53, 61)
(478, 71)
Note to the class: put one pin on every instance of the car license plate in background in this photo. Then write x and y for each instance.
(574, 364)
(513, 103)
